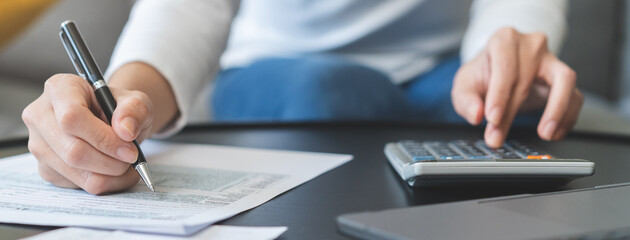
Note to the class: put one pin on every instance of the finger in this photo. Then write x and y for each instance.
(75, 152)
(99, 184)
(504, 63)
(132, 115)
(45, 133)
(571, 117)
(54, 177)
(91, 182)
(70, 103)
(530, 51)
(467, 92)
(562, 80)
(41, 152)
(493, 136)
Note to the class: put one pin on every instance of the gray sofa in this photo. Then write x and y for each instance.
(593, 48)
(38, 54)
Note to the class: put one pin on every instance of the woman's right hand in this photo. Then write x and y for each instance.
(74, 145)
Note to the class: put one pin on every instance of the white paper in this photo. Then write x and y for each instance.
(196, 185)
(222, 232)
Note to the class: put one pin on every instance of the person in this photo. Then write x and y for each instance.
(307, 60)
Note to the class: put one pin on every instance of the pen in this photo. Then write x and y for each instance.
(86, 67)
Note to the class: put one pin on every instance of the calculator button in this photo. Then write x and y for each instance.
(443, 151)
(480, 157)
(416, 151)
(503, 152)
(425, 151)
(469, 150)
(534, 153)
(528, 152)
(422, 158)
(508, 155)
(417, 156)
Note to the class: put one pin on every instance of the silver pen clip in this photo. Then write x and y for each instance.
(73, 56)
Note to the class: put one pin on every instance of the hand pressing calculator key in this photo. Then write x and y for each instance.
(429, 163)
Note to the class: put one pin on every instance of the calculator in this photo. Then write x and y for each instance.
(462, 162)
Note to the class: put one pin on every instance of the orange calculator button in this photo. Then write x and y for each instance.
(538, 157)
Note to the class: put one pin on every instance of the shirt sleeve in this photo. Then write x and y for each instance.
(526, 16)
(183, 40)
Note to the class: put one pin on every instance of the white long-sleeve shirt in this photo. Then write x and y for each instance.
(188, 41)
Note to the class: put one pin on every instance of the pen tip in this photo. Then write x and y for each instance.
(152, 188)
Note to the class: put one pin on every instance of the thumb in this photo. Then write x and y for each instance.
(133, 114)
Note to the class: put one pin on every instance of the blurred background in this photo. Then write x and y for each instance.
(597, 47)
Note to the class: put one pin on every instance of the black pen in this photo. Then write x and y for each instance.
(86, 67)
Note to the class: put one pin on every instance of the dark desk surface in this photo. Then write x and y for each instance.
(368, 182)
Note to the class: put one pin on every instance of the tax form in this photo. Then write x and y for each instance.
(221, 232)
(196, 185)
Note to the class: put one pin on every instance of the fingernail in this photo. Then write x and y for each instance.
(495, 115)
(127, 154)
(130, 125)
(549, 128)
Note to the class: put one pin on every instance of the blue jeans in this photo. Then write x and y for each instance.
(327, 88)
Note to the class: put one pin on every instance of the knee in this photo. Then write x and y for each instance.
(313, 72)
(329, 72)
(313, 88)
(331, 89)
